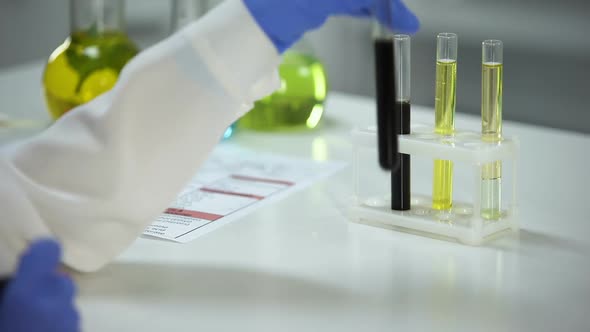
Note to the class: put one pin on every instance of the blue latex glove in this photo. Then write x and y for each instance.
(39, 297)
(285, 21)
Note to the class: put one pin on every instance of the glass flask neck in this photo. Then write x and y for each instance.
(186, 11)
(97, 16)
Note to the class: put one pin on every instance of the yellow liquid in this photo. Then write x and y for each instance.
(491, 120)
(298, 104)
(445, 99)
(491, 102)
(491, 195)
(442, 192)
(85, 66)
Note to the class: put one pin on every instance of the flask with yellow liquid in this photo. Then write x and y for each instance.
(89, 61)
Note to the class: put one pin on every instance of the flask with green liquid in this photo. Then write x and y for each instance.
(89, 61)
(299, 102)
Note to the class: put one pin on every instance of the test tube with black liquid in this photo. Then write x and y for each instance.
(400, 178)
(387, 139)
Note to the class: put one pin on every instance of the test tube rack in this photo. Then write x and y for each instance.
(463, 223)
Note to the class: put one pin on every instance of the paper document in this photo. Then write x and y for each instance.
(231, 184)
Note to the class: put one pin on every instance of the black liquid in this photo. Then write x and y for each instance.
(387, 140)
(400, 178)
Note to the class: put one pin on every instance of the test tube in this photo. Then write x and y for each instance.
(400, 179)
(491, 126)
(445, 98)
(387, 139)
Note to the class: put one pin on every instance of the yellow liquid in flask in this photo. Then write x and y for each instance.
(86, 65)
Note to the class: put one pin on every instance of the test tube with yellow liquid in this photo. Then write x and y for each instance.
(445, 100)
(491, 126)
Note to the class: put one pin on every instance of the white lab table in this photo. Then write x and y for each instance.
(299, 265)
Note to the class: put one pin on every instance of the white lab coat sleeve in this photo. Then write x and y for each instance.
(106, 170)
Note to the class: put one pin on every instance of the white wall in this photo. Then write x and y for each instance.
(547, 51)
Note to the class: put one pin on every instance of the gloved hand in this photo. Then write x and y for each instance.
(39, 298)
(285, 21)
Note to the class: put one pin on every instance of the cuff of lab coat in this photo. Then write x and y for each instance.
(237, 51)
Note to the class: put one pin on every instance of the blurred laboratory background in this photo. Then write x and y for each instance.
(546, 50)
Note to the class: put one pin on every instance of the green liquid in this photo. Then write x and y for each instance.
(86, 65)
(298, 104)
